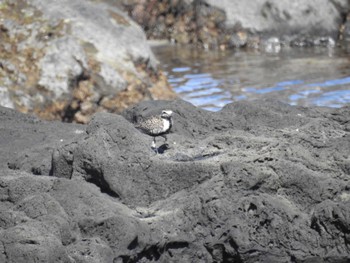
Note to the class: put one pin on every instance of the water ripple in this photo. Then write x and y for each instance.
(211, 79)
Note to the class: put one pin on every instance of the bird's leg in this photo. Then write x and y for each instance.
(153, 145)
(166, 139)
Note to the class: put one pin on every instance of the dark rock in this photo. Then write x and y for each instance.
(183, 22)
(260, 181)
(32, 150)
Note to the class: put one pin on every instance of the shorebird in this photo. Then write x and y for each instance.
(158, 125)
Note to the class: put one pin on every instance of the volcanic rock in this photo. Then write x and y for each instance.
(256, 181)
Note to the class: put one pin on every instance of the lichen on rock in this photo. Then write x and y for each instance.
(61, 59)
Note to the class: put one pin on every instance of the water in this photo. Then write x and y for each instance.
(211, 79)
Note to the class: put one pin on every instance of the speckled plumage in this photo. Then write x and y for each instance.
(158, 125)
(153, 126)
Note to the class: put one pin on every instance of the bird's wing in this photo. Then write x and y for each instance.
(145, 124)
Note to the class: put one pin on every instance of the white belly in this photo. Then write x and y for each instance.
(166, 125)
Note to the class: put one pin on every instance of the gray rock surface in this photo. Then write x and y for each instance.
(317, 17)
(255, 182)
(301, 23)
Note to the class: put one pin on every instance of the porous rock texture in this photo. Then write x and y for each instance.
(68, 59)
(255, 182)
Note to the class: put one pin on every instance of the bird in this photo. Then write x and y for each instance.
(157, 125)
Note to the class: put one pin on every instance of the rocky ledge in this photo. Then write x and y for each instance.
(256, 182)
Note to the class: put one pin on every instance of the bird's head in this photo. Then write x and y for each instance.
(166, 114)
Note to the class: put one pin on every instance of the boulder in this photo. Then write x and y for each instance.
(256, 181)
(66, 60)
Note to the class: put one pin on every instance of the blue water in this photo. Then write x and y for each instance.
(211, 79)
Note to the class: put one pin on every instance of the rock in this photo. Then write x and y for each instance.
(5, 98)
(91, 250)
(64, 59)
(285, 18)
(260, 181)
(32, 151)
(345, 31)
(36, 227)
(69, 59)
(184, 22)
(225, 23)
